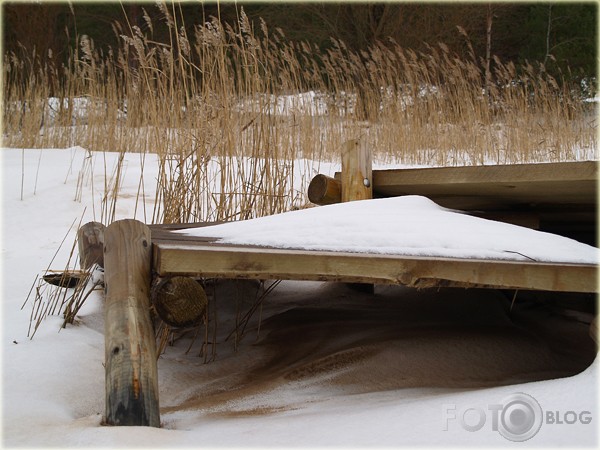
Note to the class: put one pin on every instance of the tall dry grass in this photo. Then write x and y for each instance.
(255, 103)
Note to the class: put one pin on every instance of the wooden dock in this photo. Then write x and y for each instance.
(199, 257)
(559, 198)
(135, 256)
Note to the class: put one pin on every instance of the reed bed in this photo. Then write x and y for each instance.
(252, 103)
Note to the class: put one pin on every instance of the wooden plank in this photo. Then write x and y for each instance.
(130, 347)
(495, 187)
(223, 261)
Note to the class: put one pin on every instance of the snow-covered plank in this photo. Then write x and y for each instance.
(199, 258)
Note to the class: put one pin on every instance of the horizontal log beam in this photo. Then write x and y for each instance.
(179, 301)
(324, 190)
(222, 261)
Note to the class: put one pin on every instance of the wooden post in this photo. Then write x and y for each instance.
(357, 173)
(357, 184)
(324, 190)
(130, 346)
(179, 301)
(90, 241)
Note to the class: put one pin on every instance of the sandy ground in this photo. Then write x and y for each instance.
(318, 340)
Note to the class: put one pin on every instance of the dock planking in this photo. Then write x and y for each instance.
(528, 194)
(135, 255)
(205, 257)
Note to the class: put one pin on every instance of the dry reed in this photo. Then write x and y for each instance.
(254, 103)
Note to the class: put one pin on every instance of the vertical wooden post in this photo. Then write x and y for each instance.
(130, 346)
(357, 172)
(357, 184)
(90, 241)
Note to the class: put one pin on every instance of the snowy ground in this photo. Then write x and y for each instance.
(328, 367)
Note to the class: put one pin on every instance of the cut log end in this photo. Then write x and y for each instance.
(324, 190)
(179, 301)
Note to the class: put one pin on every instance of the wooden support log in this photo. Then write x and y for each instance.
(324, 190)
(90, 242)
(130, 346)
(357, 172)
(179, 301)
(357, 184)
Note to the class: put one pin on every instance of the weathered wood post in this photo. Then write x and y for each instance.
(357, 184)
(130, 346)
(90, 242)
(357, 171)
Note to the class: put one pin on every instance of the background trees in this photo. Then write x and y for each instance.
(563, 34)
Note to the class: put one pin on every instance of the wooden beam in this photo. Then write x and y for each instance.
(324, 190)
(130, 346)
(356, 177)
(502, 187)
(495, 187)
(575, 171)
(223, 261)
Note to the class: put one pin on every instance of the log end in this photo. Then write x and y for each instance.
(179, 301)
(324, 190)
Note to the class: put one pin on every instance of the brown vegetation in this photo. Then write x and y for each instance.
(231, 94)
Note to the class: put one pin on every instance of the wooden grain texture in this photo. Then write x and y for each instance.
(90, 242)
(495, 187)
(356, 176)
(214, 260)
(130, 347)
(179, 301)
(324, 190)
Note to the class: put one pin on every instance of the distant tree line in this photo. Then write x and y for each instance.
(563, 35)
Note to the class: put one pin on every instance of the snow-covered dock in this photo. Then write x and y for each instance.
(557, 197)
(178, 254)
(408, 240)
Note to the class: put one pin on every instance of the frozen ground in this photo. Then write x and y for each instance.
(329, 366)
